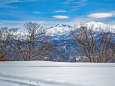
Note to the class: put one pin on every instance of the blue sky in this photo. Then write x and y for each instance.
(51, 12)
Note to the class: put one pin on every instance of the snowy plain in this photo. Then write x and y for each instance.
(44, 73)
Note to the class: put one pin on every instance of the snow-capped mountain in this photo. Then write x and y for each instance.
(61, 29)
(65, 44)
(98, 26)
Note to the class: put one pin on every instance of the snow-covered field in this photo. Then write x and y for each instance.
(40, 73)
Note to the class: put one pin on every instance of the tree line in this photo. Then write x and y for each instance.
(24, 47)
(97, 47)
(35, 45)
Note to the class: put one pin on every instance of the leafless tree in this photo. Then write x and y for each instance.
(29, 46)
(98, 48)
(7, 36)
(34, 44)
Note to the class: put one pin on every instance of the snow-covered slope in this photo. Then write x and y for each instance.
(98, 26)
(40, 73)
(61, 29)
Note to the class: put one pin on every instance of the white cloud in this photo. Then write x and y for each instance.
(101, 15)
(60, 11)
(4, 3)
(61, 17)
(36, 12)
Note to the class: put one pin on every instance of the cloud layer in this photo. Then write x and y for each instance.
(101, 15)
(4, 3)
(61, 17)
(60, 11)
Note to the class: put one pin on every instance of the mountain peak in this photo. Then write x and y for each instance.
(93, 22)
(96, 23)
(62, 25)
(59, 29)
(98, 26)
(59, 25)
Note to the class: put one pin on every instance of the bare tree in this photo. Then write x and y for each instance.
(98, 48)
(7, 36)
(29, 46)
(34, 44)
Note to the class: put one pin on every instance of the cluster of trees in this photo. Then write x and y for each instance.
(97, 47)
(24, 47)
(35, 45)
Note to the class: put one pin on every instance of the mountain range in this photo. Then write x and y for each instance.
(64, 30)
(65, 45)
(61, 29)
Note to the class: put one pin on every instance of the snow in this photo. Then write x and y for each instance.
(59, 29)
(98, 26)
(44, 73)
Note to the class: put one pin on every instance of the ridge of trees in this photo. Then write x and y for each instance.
(35, 44)
(97, 48)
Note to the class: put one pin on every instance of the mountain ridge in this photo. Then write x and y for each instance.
(64, 30)
(61, 31)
